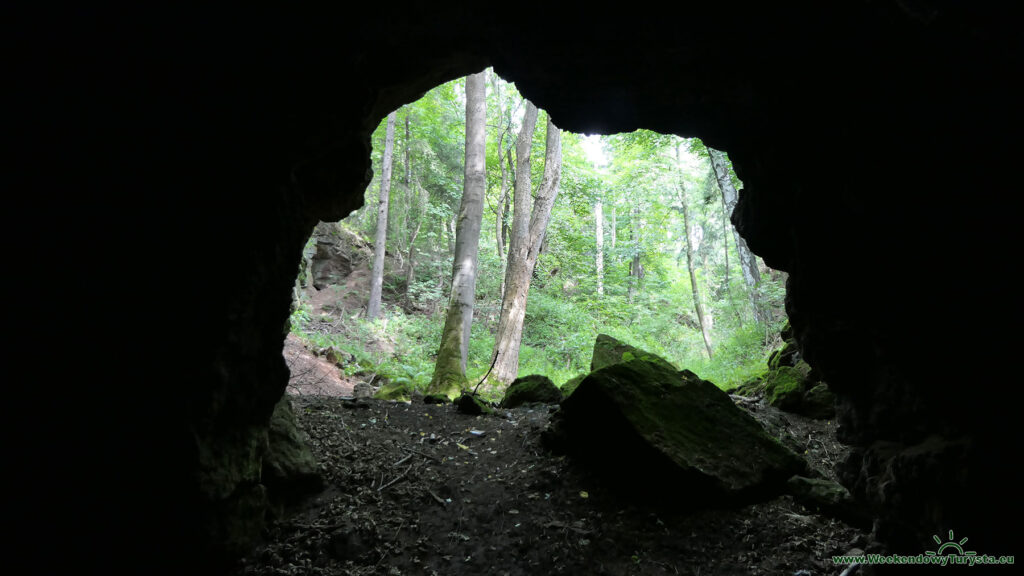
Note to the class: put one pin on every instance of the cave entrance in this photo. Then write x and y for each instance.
(666, 273)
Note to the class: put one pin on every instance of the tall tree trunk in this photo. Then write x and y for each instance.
(410, 272)
(698, 303)
(450, 235)
(529, 228)
(450, 368)
(410, 194)
(502, 205)
(751, 275)
(614, 227)
(412, 204)
(635, 268)
(380, 241)
(599, 238)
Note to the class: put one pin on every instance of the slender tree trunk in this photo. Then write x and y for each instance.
(698, 303)
(380, 241)
(450, 236)
(450, 368)
(410, 194)
(529, 229)
(634, 262)
(751, 275)
(614, 227)
(506, 230)
(410, 272)
(599, 237)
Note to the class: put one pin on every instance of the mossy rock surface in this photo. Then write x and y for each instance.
(290, 470)
(472, 405)
(829, 498)
(670, 437)
(532, 389)
(819, 402)
(436, 399)
(608, 351)
(396, 391)
(784, 388)
(571, 385)
(749, 388)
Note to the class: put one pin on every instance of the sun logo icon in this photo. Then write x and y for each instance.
(949, 548)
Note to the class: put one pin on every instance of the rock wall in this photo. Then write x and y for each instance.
(874, 141)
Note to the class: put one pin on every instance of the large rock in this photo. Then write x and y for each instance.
(795, 389)
(290, 470)
(784, 388)
(571, 384)
(829, 498)
(669, 436)
(338, 252)
(608, 351)
(536, 389)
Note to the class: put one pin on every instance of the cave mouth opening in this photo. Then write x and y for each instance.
(663, 204)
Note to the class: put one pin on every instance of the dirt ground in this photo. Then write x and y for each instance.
(312, 375)
(422, 489)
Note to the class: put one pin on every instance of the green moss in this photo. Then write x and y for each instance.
(397, 391)
(784, 388)
(608, 351)
(775, 359)
(571, 384)
(449, 378)
(472, 405)
(534, 388)
(819, 402)
(436, 399)
(750, 388)
(688, 419)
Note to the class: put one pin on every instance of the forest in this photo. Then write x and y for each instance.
(503, 246)
(536, 351)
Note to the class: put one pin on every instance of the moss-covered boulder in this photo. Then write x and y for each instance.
(290, 470)
(571, 384)
(397, 391)
(608, 351)
(784, 388)
(819, 402)
(829, 498)
(795, 389)
(669, 436)
(472, 405)
(436, 399)
(750, 388)
(532, 389)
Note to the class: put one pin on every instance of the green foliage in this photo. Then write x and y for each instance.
(638, 183)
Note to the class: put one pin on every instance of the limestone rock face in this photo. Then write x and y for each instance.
(670, 436)
(271, 137)
(535, 388)
(338, 253)
(290, 470)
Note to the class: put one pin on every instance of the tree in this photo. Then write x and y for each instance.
(636, 269)
(504, 154)
(697, 302)
(450, 367)
(528, 229)
(751, 275)
(380, 241)
(599, 237)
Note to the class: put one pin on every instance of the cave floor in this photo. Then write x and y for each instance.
(423, 489)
